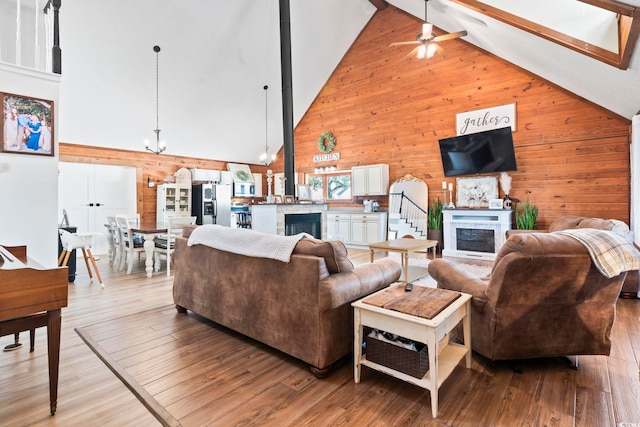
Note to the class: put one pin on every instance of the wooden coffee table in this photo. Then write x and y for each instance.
(372, 311)
(404, 246)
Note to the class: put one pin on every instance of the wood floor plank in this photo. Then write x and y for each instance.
(204, 374)
(520, 403)
(557, 395)
(625, 390)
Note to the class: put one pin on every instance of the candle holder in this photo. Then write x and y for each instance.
(269, 182)
(451, 205)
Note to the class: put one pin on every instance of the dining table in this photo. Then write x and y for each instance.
(149, 230)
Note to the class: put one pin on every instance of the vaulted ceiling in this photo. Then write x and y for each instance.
(217, 56)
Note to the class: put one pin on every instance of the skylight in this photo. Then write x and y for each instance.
(602, 29)
(582, 21)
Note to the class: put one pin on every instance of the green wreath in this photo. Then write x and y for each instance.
(326, 142)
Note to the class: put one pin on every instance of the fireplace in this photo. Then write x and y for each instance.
(310, 223)
(475, 233)
(469, 239)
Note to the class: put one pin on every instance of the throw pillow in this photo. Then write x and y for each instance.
(334, 253)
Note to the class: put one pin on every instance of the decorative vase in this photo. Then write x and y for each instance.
(506, 202)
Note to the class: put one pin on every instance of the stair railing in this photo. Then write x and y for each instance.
(41, 49)
(409, 211)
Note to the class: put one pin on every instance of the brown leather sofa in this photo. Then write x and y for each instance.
(544, 298)
(302, 308)
(631, 287)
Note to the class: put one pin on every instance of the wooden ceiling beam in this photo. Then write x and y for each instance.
(379, 4)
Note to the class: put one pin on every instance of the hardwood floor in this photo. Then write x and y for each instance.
(274, 389)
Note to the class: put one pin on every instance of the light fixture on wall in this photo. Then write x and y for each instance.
(265, 159)
(160, 145)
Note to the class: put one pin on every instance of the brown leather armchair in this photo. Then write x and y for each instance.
(544, 298)
(631, 286)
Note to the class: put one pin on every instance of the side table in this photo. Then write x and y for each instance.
(421, 329)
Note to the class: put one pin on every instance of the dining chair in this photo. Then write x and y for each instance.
(164, 243)
(113, 238)
(71, 241)
(129, 244)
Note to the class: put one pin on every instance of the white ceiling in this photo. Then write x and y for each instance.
(217, 56)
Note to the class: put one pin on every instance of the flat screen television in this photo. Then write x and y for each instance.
(477, 153)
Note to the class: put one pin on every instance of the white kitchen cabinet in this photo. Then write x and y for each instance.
(257, 179)
(339, 226)
(226, 177)
(366, 228)
(370, 180)
(204, 175)
(357, 229)
(173, 200)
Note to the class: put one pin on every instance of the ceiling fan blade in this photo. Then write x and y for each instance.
(450, 36)
(404, 43)
(413, 53)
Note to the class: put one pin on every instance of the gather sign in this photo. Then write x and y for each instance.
(486, 119)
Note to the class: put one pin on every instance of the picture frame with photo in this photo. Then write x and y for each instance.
(495, 204)
(27, 125)
(277, 199)
(289, 199)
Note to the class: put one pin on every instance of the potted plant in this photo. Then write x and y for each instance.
(526, 214)
(434, 221)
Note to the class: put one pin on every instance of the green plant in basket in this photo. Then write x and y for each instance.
(526, 214)
(434, 215)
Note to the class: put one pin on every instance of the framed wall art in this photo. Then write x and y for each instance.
(476, 192)
(241, 173)
(27, 125)
(304, 192)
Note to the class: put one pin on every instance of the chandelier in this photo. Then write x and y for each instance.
(265, 159)
(160, 145)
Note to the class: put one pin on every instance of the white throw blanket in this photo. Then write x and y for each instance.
(610, 252)
(245, 242)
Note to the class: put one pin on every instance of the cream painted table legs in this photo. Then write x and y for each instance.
(427, 331)
(404, 246)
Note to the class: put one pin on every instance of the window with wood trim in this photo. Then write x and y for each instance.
(331, 186)
(626, 18)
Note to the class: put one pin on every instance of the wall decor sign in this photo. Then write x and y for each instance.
(241, 173)
(27, 125)
(486, 119)
(326, 157)
(476, 192)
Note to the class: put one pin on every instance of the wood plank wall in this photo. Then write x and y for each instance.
(149, 166)
(573, 156)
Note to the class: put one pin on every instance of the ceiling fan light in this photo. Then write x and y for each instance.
(422, 51)
(427, 29)
(431, 50)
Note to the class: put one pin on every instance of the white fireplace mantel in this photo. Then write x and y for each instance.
(270, 218)
(495, 222)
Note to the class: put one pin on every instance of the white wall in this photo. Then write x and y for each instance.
(29, 183)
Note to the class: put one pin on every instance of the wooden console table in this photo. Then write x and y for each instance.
(32, 297)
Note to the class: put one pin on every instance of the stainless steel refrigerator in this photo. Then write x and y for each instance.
(211, 204)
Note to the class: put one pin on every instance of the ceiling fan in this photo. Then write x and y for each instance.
(427, 40)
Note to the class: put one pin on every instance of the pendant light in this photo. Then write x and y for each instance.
(265, 159)
(160, 145)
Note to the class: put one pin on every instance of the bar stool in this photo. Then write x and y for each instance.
(71, 241)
